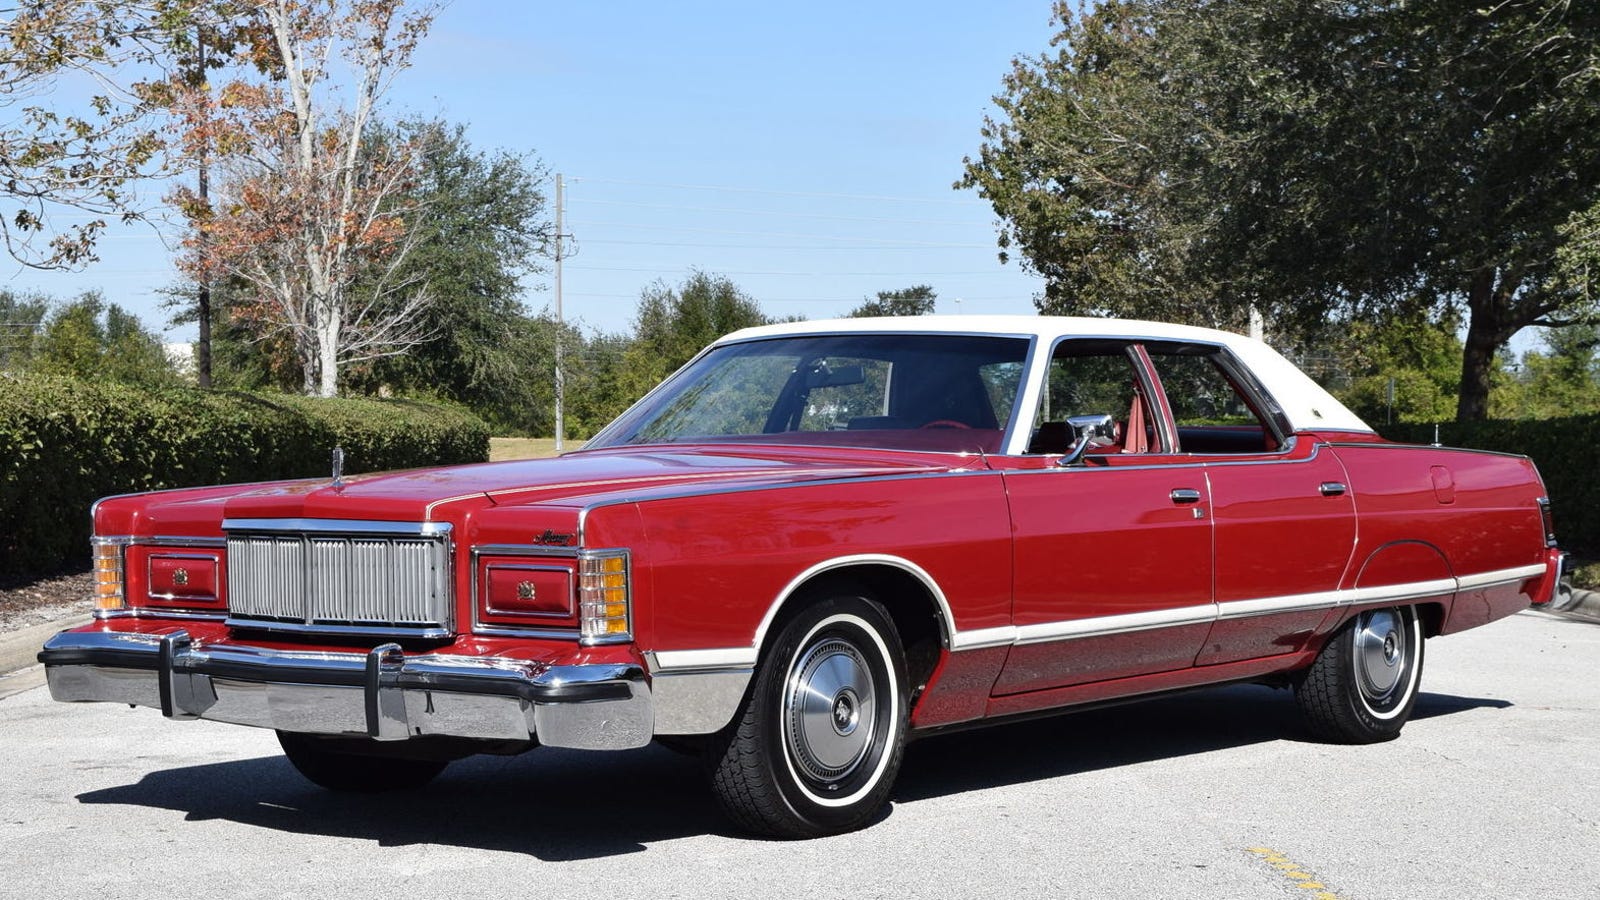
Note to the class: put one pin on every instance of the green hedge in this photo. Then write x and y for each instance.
(64, 443)
(1567, 452)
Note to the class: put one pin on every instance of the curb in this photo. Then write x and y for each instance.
(20, 649)
(1583, 605)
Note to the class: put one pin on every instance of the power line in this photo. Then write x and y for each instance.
(781, 234)
(678, 207)
(917, 274)
(964, 298)
(749, 190)
(795, 247)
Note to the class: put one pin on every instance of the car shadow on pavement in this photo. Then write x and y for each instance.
(553, 804)
(1184, 724)
(560, 805)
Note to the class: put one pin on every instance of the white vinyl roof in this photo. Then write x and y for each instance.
(1305, 403)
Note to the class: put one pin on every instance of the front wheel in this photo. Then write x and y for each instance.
(1362, 686)
(819, 739)
(339, 764)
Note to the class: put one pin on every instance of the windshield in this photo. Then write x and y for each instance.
(938, 392)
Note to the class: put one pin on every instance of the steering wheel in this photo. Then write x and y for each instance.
(946, 423)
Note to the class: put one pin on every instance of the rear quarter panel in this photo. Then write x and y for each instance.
(1429, 512)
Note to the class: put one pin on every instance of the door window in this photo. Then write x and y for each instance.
(1211, 413)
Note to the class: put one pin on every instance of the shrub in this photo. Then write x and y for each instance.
(65, 442)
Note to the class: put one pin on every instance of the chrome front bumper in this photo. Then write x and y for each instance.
(383, 694)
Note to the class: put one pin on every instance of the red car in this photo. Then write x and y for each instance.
(815, 542)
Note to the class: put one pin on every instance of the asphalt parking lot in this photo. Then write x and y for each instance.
(1492, 791)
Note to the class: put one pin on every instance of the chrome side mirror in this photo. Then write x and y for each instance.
(1091, 431)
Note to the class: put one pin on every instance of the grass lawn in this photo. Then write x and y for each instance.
(525, 448)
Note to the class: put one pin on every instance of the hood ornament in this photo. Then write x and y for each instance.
(338, 468)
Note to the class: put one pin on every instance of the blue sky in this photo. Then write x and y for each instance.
(806, 151)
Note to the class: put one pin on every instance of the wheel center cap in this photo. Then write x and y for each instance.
(1390, 648)
(846, 712)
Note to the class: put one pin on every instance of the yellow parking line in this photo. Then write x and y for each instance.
(1295, 873)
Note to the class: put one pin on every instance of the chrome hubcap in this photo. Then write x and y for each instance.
(1382, 656)
(829, 707)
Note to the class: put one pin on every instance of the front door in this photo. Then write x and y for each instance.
(1113, 558)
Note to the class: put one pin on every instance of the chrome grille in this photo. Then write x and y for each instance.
(366, 578)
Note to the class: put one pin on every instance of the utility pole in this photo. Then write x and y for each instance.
(203, 297)
(561, 384)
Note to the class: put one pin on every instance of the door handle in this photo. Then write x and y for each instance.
(1332, 488)
(1185, 495)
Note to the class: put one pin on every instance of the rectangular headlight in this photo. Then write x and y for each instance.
(604, 599)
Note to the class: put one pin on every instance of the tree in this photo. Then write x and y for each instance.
(93, 340)
(21, 321)
(1563, 380)
(595, 390)
(672, 325)
(911, 301)
(308, 203)
(1193, 159)
(1407, 369)
(478, 226)
(88, 160)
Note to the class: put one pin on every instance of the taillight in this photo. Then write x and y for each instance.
(1549, 522)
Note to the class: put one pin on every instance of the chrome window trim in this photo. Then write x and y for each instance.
(1185, 460)
(1132, 350)
(1435, 448)
(1246, 380)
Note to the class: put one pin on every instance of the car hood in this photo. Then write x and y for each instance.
(428, 494)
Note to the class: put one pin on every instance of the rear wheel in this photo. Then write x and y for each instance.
(819, 739)
(1362, 686)
(339, 764)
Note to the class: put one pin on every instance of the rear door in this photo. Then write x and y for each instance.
(1282, 508)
